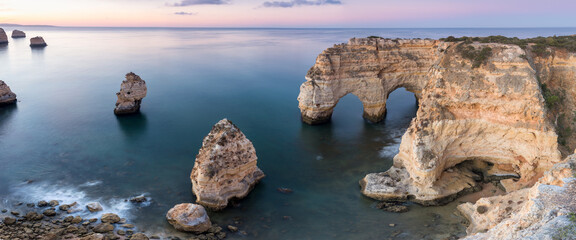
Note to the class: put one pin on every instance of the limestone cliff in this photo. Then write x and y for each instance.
(6, 95)
(132, 91)
(225, 167)
(556, 69)
(3, 37)
(471, 112)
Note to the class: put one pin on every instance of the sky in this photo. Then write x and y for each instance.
(291, 13)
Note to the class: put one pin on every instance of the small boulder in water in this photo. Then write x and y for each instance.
(110, 218)
(189, 217)
(138, 199)
(18, 34)
(94, 207)
(37, 42)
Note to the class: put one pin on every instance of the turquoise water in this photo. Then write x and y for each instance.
(62, 140)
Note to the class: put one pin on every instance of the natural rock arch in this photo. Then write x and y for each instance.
(368, 68)
(492, 113)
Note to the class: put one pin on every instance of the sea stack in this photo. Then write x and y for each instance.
(18, 34)
(225, 167)
(37, 42)
(6, 95)
(132, 91)
(3, 37)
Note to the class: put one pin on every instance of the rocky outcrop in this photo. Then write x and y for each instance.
(474, 115)
(189, 217)
(3, 37)
(132, 91)
(37, 42)
(225, 166)
(544, 211)
(18, 34)
(6, 95)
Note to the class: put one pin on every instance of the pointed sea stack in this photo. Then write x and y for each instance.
(225, 167)
(18, 34)
(3, 37)
(37, 42)
(132, 91)
(6, 95)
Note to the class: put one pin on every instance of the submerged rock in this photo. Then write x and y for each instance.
(132, 91)
(189, 217)
(6, 95)
(37, 42)
(18, 34)
(225, 167)
(3, 37)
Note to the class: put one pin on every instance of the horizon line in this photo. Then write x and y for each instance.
(271, 27)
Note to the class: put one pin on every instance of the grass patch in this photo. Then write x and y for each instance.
(539, 44)
(478, 57)
(567, 232)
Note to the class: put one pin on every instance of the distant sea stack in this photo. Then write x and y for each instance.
(132, 91)
(37, 42)
(6, 95)
(18, 34)
(3, 37)
(225, 167)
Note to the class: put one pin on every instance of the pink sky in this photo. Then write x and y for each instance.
(291, 13)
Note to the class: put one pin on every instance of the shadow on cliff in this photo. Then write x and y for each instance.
(133, 126)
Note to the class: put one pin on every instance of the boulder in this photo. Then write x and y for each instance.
(132, 91)
(94, 207)
(6, 95)
(110, 218)
(18, 34)
(225, 167)
(37, 42)
(3, 37)
(189, 217)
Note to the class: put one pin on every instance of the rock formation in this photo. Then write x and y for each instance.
(189, 217)
(540, 212)
(3, 37)
(132, 91)
(225, 166)
(6, 95)
(37, 42)
(18, 34)
(470, 114)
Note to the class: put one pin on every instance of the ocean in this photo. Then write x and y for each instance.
(62, 141)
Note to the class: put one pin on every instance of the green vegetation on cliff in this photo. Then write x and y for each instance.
(538, 44)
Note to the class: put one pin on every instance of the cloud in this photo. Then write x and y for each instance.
(295, 3)
(184, 3)
(186, 13)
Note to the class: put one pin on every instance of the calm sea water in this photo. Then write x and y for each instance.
(62, 140)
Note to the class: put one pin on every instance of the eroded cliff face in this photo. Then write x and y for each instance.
(488, 117)
(556, 69)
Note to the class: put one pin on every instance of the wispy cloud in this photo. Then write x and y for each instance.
(184, 3)
(295, 3)
(186, 13)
